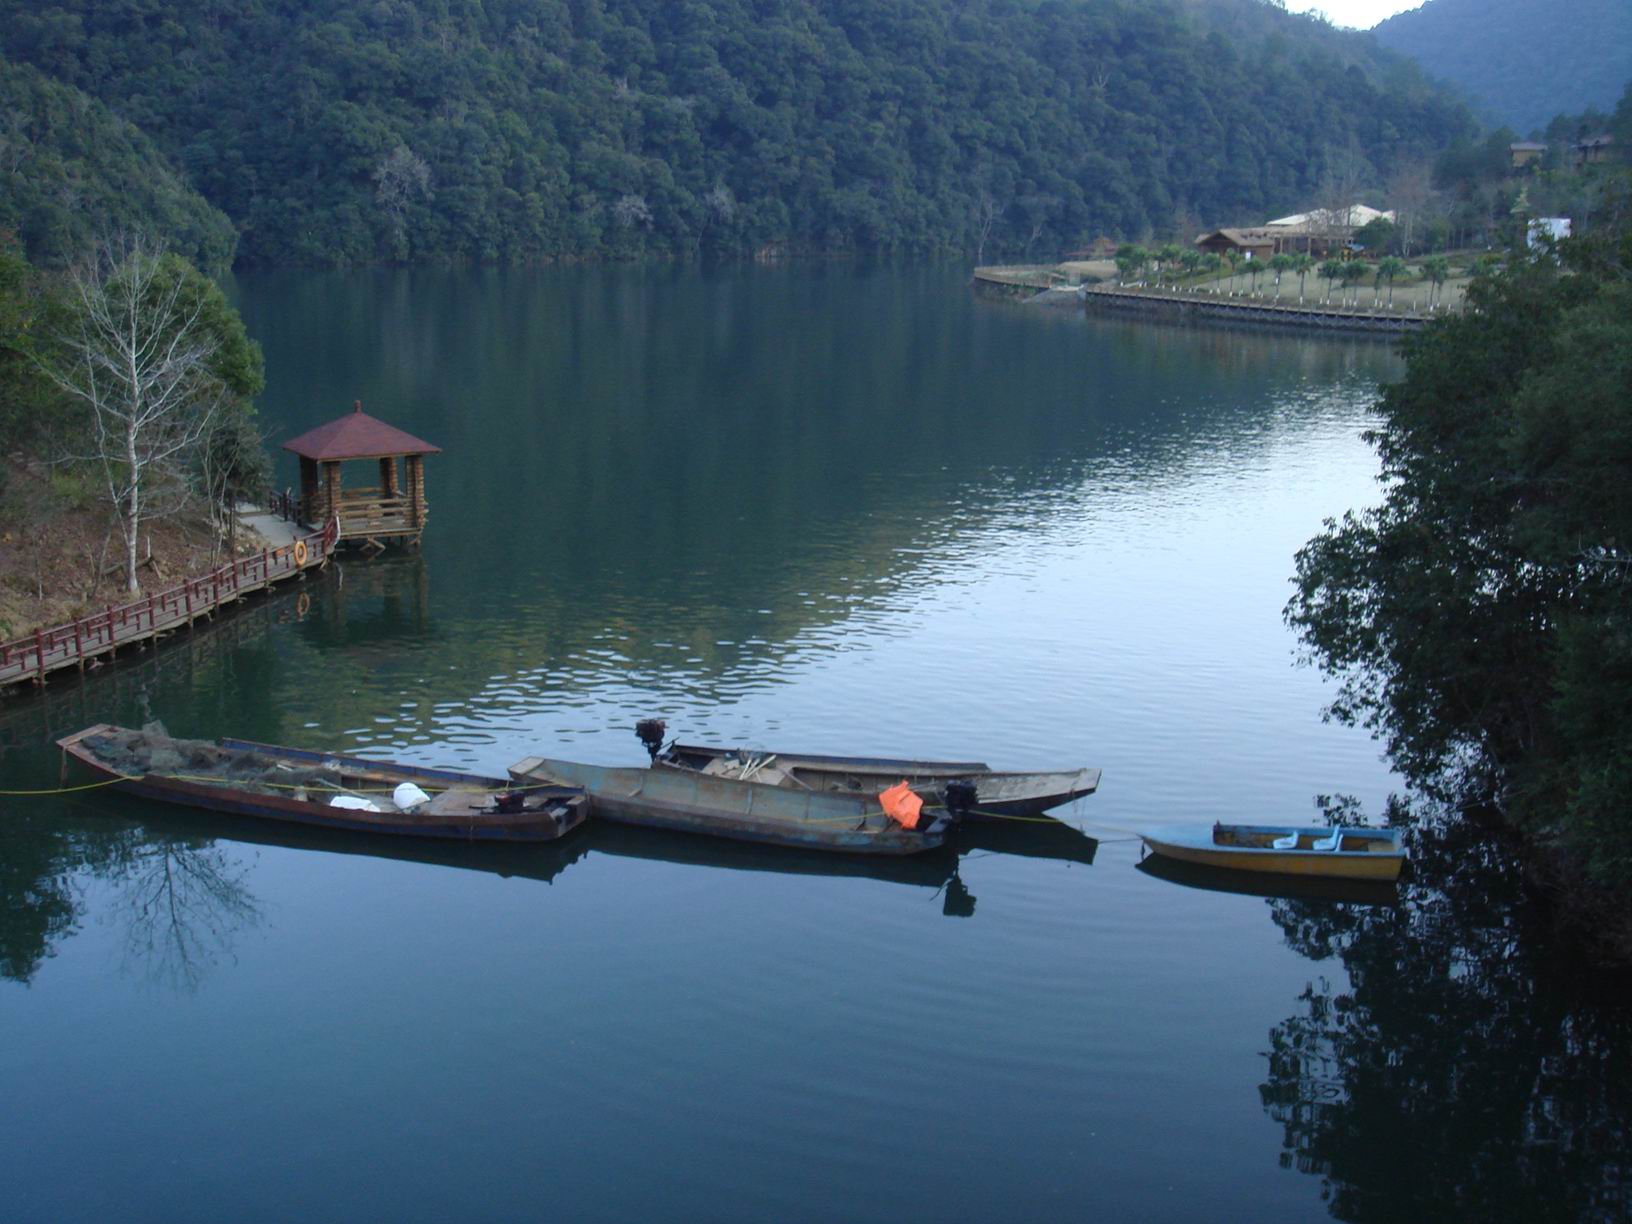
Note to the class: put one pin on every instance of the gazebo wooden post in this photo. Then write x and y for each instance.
(309, 510)
(331, 488)
(388, 476)
(416, 492)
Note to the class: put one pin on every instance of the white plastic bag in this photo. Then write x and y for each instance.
(407, 797)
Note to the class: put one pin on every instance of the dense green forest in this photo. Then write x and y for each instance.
(334, 131)
(1480, 618)
(71, 172)
(1481, 197)
(1522, 61)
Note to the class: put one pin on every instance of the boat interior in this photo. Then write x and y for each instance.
(1247, 837)
(303, 776)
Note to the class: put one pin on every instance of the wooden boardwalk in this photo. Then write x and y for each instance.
(73, 645)
(1337, 317)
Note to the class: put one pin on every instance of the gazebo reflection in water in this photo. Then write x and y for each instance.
(394, 510)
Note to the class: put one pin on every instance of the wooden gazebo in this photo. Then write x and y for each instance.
(393, 510)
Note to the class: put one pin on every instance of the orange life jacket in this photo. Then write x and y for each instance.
(902, 806)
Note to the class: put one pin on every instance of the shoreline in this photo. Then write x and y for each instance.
(267, 552)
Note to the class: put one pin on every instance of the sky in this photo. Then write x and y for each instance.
(1361, 14)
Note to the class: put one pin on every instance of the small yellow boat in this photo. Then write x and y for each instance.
(1341, 853)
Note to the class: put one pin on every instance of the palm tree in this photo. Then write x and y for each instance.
(1168, 255)
(1437, 269)
(1388, 268)
(1332, 270)
(1301, 264)
(1354, 271)
(1130, 260)
(1280, 265)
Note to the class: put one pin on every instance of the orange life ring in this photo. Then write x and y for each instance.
(303, 605)
(300, 552)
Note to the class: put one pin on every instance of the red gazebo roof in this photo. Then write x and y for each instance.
(357, 436)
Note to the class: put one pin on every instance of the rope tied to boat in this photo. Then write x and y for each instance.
(68, 790)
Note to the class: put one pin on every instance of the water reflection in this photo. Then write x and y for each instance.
(1465, 1071)
(38, 864)
(181, 896)
(693, 485)
(372, 603)
(1266, 884)
(179, 905)
(125, 688)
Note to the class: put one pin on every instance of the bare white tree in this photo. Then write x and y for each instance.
(139, 354)
(632, 210)
(400, 178)
(1410, 193)
(987, 211)
(721, 204)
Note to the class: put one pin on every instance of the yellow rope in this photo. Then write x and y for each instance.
(68, 790)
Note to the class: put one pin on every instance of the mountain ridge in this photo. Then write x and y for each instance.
(334, 132)
(1516, 59)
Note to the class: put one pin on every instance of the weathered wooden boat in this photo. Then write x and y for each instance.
(325, 789)
(694, 802)
(997, 792)
(1341, 853)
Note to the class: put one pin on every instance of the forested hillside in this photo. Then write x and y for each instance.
(1522, 61)
(337, 131)
(71, 172)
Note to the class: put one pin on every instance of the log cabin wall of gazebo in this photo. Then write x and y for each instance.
(387, 511)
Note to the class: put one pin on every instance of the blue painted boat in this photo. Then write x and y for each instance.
(692, 802)
(298, 786)
(1341, 853)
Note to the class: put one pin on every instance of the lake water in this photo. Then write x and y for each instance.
(829, 508)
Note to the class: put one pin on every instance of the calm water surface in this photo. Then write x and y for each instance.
(839, 509)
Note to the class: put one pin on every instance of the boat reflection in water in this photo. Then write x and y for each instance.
(1269, 884)
(935, 870)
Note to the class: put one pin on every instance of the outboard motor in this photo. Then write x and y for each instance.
(960, 798)
(651, 732)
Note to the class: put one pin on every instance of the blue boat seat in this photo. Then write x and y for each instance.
(1289, 842)
(1329, 843)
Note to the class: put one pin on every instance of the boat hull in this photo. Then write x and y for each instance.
(689, 802)
(1000, 793)
(1367, 854)
(551, 814)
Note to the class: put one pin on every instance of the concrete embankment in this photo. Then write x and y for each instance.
(1067, 284)
(1103, 297)
(1050, 284)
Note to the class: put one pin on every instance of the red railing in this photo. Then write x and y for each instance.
(46, 650)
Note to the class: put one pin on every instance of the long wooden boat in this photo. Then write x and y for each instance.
(997, 792)
(1342, 853)
(299, 787)
(692, 802)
